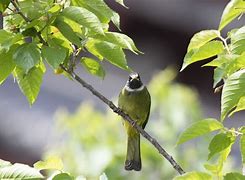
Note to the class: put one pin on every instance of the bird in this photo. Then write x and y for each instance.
(135, 101)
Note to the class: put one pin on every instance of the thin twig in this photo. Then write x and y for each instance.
(117, 110)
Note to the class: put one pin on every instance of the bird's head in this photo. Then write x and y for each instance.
(134, 81)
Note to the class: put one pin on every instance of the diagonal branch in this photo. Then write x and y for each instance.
(117, 110)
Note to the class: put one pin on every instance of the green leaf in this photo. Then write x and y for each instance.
(7, 39)
(238, 41)
(195, 175)
(232, 10)
(7, 64)
(103, 177)
(19, 171)
(240, 106)
(3, 5)
(234, 176)
(119, 39)
(111, 52)
(218, 75)
(54, 55)
(27, 56)
(242, 148)
(121, 2)
(93, 67)
(62, 176)
(52, 162)
(199, 128)
(69, 29)
(84, 17)
(218, 143)
(217, 62)
(232, 91)
(201, 38)
(98, 7)
(208, 50)
(30, 83)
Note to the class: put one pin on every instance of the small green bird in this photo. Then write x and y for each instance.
(135, 101)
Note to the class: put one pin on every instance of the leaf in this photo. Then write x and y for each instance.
(98, 7)
(84, 17)
(69, 29)
(30, 83)
(93, 67)
(208, 50)
(232, 91)
(103, 177)
(240, 106)
(62, 176)
(3, 5)
(195, 175)
(111, 52)
(54, 55)
(121, 40)
(121, 2)
(218, 143)
(238, 41)
(19, 171)
(27, 56)
(4, 163)
(234, 176)
(242, 148)
(217, 62)
(7, 39)
(218, 75)
(201, 38)
(7, 64)
(52, 162)
(232, 10)
(199, 128)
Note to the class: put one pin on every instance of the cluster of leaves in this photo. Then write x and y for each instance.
(229, 70)
(52, 164)
(58, 32)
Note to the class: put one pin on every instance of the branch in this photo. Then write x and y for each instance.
(117, 110)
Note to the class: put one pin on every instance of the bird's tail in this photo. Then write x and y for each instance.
(133, 159)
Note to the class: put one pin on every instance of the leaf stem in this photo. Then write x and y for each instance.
(225, 43)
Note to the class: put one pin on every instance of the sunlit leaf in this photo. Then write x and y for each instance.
(218, 143)
(27, 56)
(201, 38)
(52, 162)
(30, 83)
(63, 176)
(19, 171)
(7, 64)
(111, 52)
(198, 129)
(195, 175)
(238, 41)
(242, 148)
(93, 67)
(206, 51)
(233, 90)
(232, 10)
(84, 18)
(119, 39)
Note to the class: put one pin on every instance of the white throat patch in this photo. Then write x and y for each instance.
(134, 90)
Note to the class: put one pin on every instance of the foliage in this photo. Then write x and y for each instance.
(91, 142)
(230, 70)
(50, 32)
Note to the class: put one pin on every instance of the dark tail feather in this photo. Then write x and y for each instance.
(133, 159)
